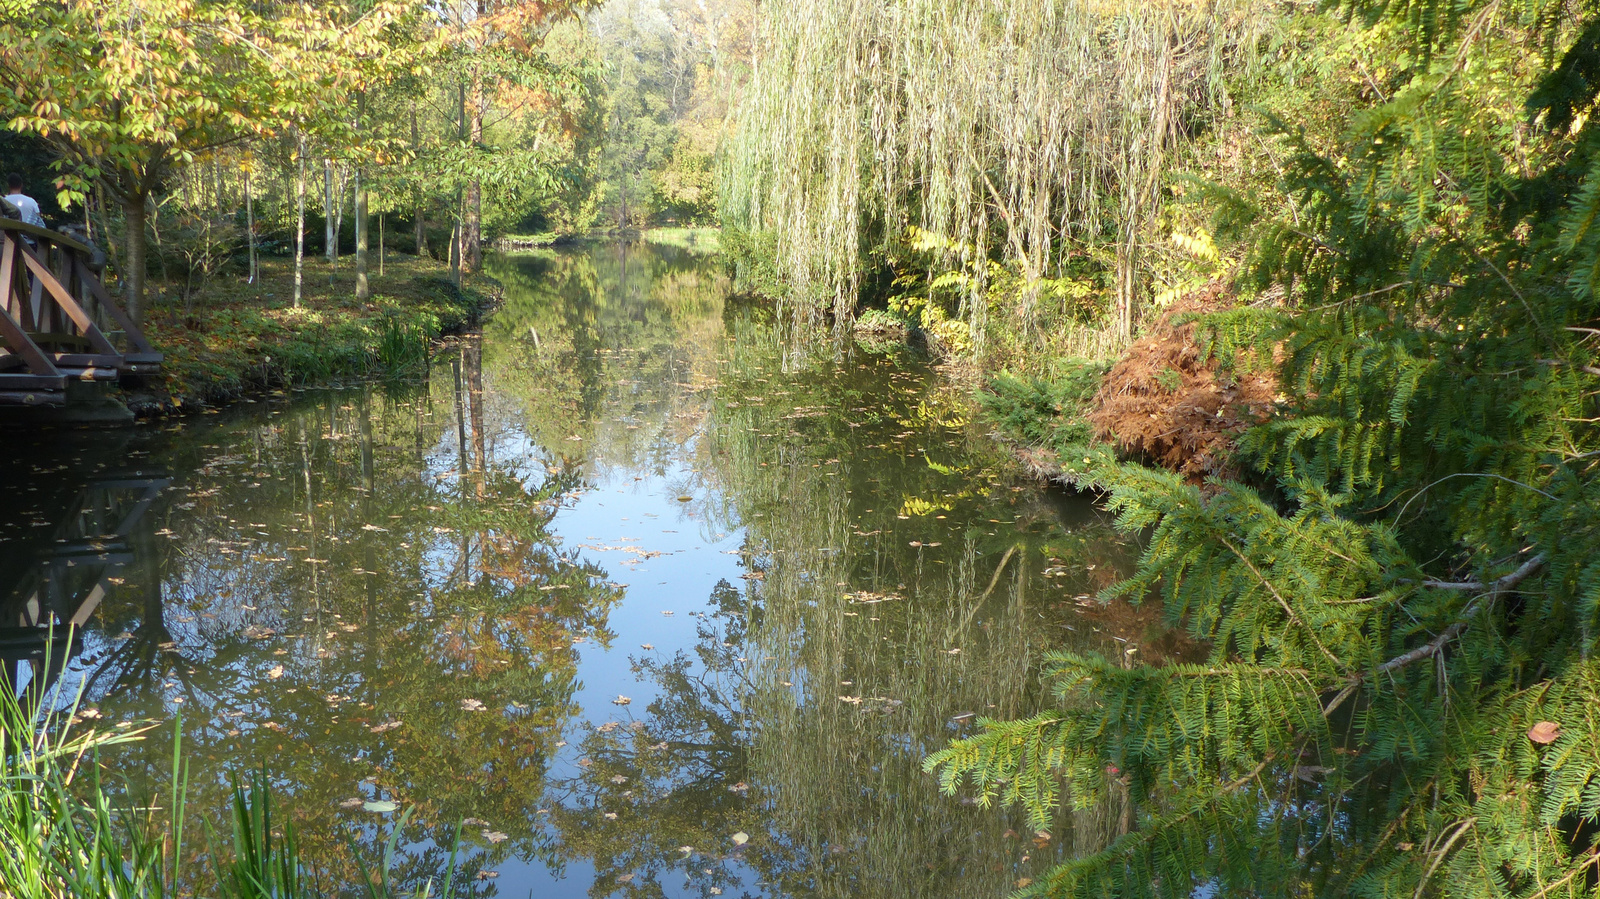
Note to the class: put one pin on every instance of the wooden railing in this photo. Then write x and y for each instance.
(57, 322)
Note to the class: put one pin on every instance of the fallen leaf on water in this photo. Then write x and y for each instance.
(495, 836)
(684, 499)
(275, 672)
(611, 816)
(1023, 881)
(351, 803)
(624, 878)
(381, 806)
(621, 700)
(472, 705)
(741, 838)
(686, 849)
(647, 646)
(474, 822)
(1544, 732)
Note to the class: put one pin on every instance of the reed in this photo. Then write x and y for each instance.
(66, 835)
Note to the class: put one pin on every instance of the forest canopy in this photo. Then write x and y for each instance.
(208, 132)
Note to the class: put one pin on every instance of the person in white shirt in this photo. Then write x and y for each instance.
(23, 202)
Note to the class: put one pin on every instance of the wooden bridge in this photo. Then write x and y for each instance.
(57, 322)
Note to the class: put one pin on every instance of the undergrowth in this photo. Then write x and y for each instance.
(1045, 412)
(240, 337)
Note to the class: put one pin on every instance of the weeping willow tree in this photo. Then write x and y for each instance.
(1016, 130)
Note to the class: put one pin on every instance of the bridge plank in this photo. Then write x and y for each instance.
(12, 333)
(135, 335)
(64, 300)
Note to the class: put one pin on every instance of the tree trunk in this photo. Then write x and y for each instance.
(330, 240)
(250, 228)
(455, 254)
(472, 232)
(380, 244)
(361, 237)
(300, 225)
(134, 215)
(421, 220)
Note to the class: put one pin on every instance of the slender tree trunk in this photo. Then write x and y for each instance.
(455, 254)
(134, 215)
(472, 236)
(422, 215)
(330, 240)
(361, 237)
(300, 225)
(250, 228)
(380, 244)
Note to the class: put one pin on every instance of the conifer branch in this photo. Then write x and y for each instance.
(1281, 601)
(1490, 591)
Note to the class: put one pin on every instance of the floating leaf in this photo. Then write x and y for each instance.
(495, 836)
(741, 838)
(381, 806)
(275, 672)
(472, 705)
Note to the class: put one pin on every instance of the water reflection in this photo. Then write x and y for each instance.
(50, 589)
(649, 613)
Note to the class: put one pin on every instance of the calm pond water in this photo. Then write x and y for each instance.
(656, 607)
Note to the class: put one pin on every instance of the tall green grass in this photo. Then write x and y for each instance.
(402, 348)
(64, 835)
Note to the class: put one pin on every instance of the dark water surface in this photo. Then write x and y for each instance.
(653, 607)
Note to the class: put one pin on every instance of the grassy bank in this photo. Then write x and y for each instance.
(232, 337)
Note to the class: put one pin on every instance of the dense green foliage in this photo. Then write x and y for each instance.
(1401, 616)
(1043, 412)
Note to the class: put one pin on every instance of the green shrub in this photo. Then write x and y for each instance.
(1047, 413)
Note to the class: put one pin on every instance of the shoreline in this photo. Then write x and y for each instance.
(237, 341)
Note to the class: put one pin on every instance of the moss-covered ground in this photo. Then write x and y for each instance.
(232, 336)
